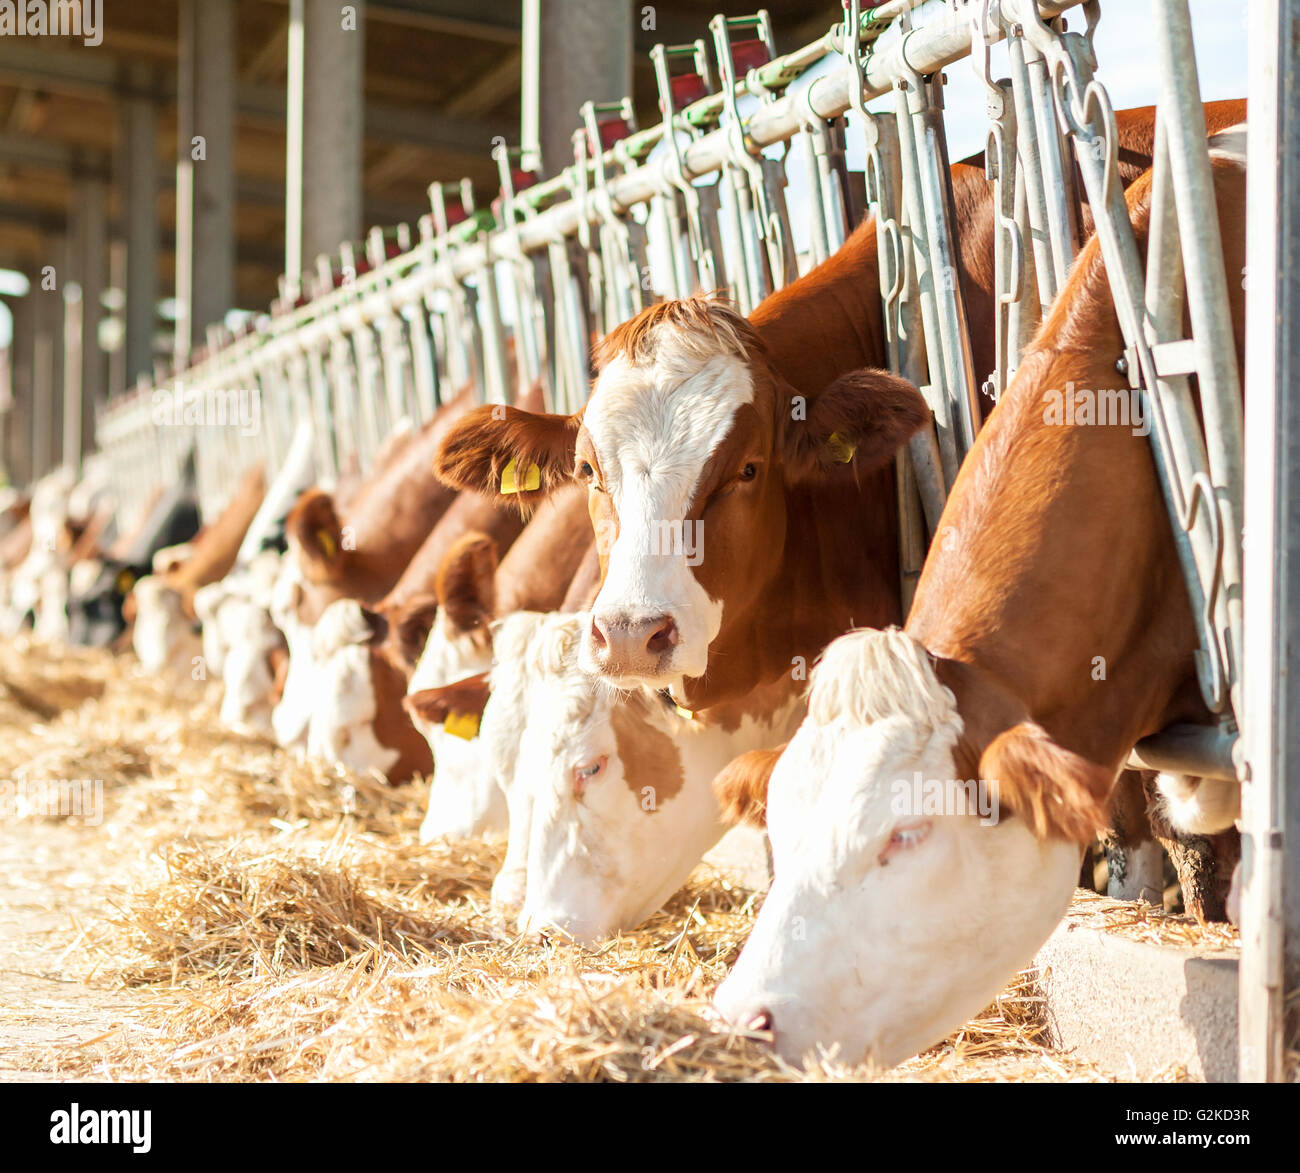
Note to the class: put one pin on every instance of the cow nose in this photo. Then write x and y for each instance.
(632, 646)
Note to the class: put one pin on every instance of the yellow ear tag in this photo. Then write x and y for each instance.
(325, 540)
(841, 451)
(511, 482)
(684, 714)
(462, 725)
(125, 581)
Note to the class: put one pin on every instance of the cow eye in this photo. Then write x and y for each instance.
(586, 772)
(905, 837)
(749, 472)
(585, 471)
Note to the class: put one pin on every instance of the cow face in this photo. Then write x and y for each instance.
(162, 635)
(900, 904)
(614, 786)
(347, 692)
(95, 616)
(311, 573)
(689, 446)
(253, 647)
(358, 719)
(463, 803)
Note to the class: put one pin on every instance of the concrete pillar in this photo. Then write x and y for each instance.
(47, 363)
(140, 225)
(205, 169)
(18, 432)
(324, 164)
(586, 53)
(85, 369)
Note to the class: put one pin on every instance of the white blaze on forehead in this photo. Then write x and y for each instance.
(654, 427)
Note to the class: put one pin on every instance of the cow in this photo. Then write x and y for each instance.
(887, 926)
(774, 440)
(475, 596)
(365, 655)
(96, 615)
(359, 555)
(163, 632)
(611, 799)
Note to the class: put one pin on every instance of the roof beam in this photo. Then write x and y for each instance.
(99, 76)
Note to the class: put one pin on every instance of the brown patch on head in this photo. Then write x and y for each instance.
(651, 759)
(465, 583)
(277, 660)
(741, 786)
(1058, 793)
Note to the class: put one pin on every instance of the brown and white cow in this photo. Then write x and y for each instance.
(360, 555)
(888, 925)
(165, 616)
(366, 655)
(475, 595)
(702, 425)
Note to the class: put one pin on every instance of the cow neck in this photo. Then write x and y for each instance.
(829, 321)
(390, 525)
(1059, 598)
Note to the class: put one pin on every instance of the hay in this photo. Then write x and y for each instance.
(1145, 922)
(279, 922)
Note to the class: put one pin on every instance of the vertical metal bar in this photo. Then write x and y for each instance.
(293, 258)
(1270, 848)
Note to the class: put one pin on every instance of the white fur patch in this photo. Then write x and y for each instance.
(654, 427)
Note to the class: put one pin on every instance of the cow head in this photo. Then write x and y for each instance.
(459, 638)
(614, 790)
(903, 895)
(309, 580)
(688, 446)
(357, 716)
(462, 802)
(162, 634)
(96, 616)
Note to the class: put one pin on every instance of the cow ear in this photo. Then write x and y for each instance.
(313, 524)
(1058, 793)
(466, 581)
(413, 625)
(466, 699)
(517, 457)
(741, 786)
(861, 419)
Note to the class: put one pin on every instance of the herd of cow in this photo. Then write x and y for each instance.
(607, 635)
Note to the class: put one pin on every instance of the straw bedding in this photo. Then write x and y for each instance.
(279, 922)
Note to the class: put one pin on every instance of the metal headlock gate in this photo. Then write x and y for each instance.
(505, 296)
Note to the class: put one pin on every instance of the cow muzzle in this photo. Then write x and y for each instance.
(622, 645)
